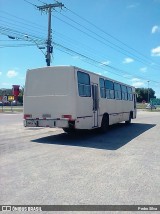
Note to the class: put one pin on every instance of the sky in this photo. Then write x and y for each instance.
(119, 39)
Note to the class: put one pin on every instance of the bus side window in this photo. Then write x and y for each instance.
(84, 86)
(109, 89)
(117, 91)
(102, 88)
(130, 96)
(124, 93)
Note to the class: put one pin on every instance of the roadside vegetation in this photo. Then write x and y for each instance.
(142, 106)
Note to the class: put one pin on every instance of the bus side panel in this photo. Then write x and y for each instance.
(84, 113)
(107, 106)
(84, 106)
(118, 110)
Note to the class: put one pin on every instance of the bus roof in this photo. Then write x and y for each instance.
(81, 69)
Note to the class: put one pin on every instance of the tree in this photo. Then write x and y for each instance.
(142, 94)
(5, 91)
(20, 97)
(21, 91)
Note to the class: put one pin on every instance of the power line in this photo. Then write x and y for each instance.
(91, 31)
(79, 45)
(19, 35)
(35, 25)
(30, 3)
(41, 2)
(97, 62)
(18, 26)
(98, 66)
(86, 58)
(20, 21)
(16, 45)
(113, 37)
(121, 50)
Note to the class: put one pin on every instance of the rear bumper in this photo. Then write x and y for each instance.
(63, 123)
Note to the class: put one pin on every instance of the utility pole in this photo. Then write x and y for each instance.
(48, 8)
(148, 91)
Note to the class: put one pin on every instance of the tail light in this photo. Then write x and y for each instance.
(66, 116)
(27, 116)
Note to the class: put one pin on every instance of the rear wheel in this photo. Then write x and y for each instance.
(104, 124)
(129, 120)
(69, 130)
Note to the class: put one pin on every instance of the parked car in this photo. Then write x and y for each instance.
(13, 103)
(16, 103)
(1, 104)
(7, 103)
(150, 106)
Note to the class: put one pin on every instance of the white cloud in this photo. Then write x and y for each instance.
(5, 84)
(128, 60)
(135, 79)
(137, 82)
(144, 69)
(155, 29)
(105, 63)
(133, 5)
(12, 73)
(155, 51)
(126, 75)
(76, 57)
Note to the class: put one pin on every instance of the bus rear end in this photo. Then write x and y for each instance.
(48, 97)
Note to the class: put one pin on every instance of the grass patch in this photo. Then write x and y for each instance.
(141, 106)
(7, 109)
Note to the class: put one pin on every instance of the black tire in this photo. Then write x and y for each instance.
(129, 120)
(104, 124)
(69, 130)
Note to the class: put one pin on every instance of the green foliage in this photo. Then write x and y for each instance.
(20, 99)
(5, 92)
(21, 91)
(142, 94)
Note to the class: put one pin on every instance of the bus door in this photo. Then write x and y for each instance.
(135, 101)
(95, 104)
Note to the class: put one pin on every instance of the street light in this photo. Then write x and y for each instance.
(28, 38)
(40, 48)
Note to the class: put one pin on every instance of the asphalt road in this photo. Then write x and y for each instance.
(46, 166)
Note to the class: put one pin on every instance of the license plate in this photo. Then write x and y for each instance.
(31, 123)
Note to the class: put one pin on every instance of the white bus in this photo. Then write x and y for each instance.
(72, 98)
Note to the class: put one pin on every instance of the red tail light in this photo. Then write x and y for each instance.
(27, 116)
(66, 116)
